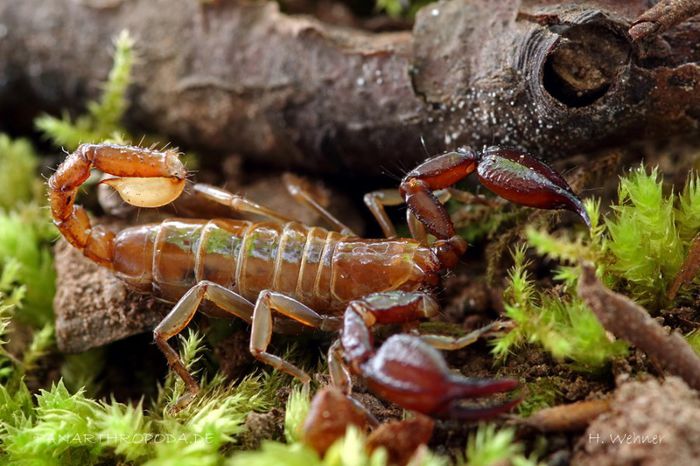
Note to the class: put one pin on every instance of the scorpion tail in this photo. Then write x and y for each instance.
(144, 178)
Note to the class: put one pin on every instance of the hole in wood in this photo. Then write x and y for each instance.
(584, 64)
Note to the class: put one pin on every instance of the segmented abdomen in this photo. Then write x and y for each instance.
(245, 257)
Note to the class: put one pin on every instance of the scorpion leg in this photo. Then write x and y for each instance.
(444, 342)
(237, 203)
(241, 204)
(261, 332)
(297, 190)
(340, 377)
(376, 201)
(406, 370)
(181, 315)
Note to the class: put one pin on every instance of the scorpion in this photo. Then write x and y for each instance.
(280, 275)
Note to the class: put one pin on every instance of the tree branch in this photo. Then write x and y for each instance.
(552, 78)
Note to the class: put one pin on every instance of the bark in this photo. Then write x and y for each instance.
(94, 307)
(663, 16)
(551, 77)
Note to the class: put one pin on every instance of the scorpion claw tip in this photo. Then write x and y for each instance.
(467, 413)
(575, 205)
(470, 387)
(586, 218)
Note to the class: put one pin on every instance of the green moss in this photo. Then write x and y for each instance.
(639, 248)
(61, 427)
(18, 173)
(58, 422)
(102, 120)
(26, 254)
(562, 325)
(278, 454)
(6, 312)
(349, 450)
(591, 247)
(688, 209)
(118, 425)
(489, 446)
(42, 343)
(540, 394)
(80, 371)
(644, 238)
(693, 338)
(25, 234)
(298, 406)
(436, 327)
(476, 222)
(24, 250)
(401, 8)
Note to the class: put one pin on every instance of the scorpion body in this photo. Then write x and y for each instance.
(323, 269)
(279, 275)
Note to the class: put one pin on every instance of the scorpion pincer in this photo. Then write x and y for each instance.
(280, 275)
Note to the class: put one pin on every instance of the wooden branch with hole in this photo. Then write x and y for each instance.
(551, 78)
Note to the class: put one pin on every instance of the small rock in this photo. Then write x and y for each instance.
(650, 424)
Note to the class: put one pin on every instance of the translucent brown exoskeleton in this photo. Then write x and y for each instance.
(281, 275)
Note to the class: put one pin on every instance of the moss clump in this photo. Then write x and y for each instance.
(102, 120)
(80, 371)
(640, 247)
(562, 325)
(687, 209)
(400, 8)
(25, 259)
(693, 338)
(644, 237)
(18, 177)
(490, 445)
(540, 394)
(298, 405)
(349, 450)
(60, 427)
(475, 222)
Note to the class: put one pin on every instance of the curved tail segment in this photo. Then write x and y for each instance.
(142, 177)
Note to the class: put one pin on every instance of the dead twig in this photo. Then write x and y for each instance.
(663, 16)
(627, 320)
(570, 417)
(689, 269)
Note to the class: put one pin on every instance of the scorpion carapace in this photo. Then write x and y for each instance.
(310, 276)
